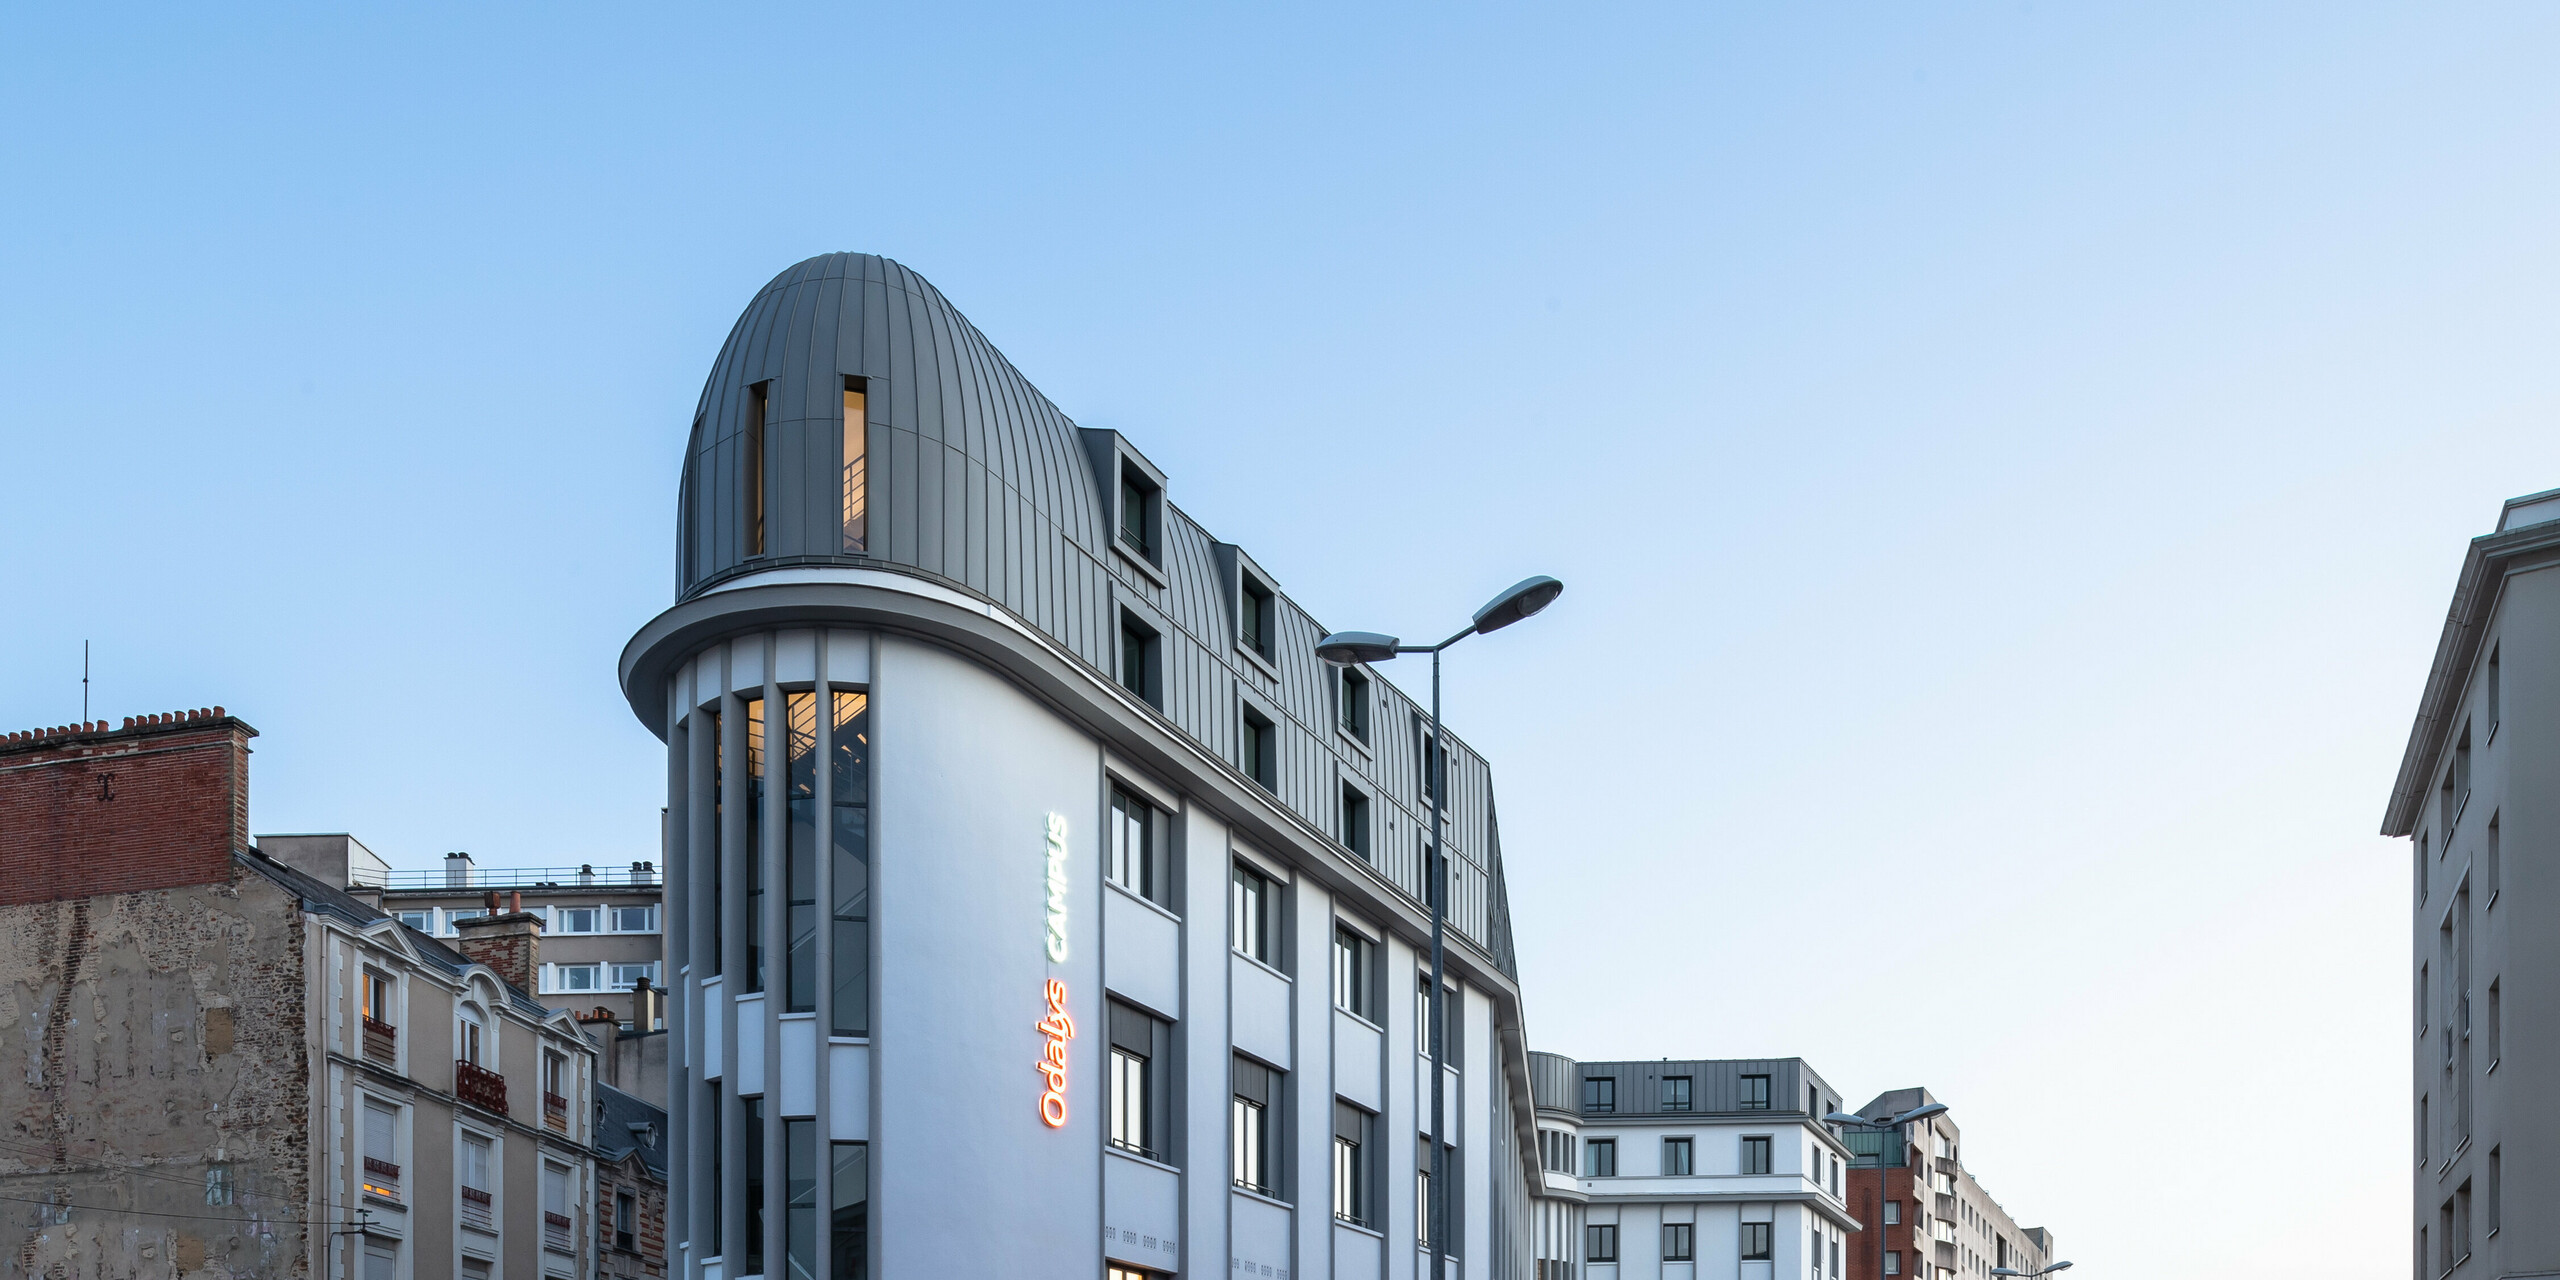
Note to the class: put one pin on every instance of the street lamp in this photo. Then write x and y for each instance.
(2047, 1269)
(1885, 1124)
(1351, 648)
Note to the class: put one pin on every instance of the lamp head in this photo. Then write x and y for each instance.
(1524, 598)
(2059, 1266)
(1921, 1113)
(1843, 1117)
(2006, 1271)
(1350, 648)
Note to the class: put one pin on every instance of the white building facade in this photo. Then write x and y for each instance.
(1037, 904)
(1689, 1170)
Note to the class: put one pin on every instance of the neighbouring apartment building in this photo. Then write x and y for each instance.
(236, 1068)
(601, 940)
(1037, 903)
(601, 935)
(1936, 1218)
(2477, 796)
(631, 1186)
(1688, 1169)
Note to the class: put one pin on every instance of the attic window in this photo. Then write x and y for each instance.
(1141, 511)
(1254, 623)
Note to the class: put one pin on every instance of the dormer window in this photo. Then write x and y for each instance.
(1355, 703)
(1254, 621)
(467, 1035)
(1141, 660)
(1141, 512)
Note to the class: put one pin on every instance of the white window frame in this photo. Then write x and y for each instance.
(556, 978)
(612, 914)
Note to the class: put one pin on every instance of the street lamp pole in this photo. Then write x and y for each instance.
(1348, 648)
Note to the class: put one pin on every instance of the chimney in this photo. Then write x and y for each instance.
(648, 1006)
(509, 943)
(457, 870)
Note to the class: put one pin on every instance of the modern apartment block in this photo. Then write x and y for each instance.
(1038, 903)
(1936, 1218)
(232, 1067)
(1688, 1170)
(2478, 799)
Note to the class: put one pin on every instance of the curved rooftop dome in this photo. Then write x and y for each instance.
(961, 446)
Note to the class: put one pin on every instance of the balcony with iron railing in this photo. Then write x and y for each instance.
(477, 1211)
(479, 1086)
(381, 1178)
(381, 1043)
(556, 1232)
(639, 875)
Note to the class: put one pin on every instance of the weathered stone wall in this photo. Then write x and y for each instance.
(154, 1078)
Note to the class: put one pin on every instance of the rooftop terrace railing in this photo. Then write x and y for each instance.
(639, 875)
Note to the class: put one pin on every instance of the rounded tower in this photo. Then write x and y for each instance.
(1013, 832)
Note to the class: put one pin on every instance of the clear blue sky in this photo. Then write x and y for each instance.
(2010, 462)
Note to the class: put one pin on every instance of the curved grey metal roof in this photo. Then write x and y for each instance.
(977, 481)
(972, 469)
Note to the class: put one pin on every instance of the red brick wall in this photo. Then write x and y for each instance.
(1861, 1246)
(509, 944)
(648, 1258)
(158, 803)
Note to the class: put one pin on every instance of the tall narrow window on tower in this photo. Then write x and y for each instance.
(751, 1119)
(800, 1197)
(849, 1188)
(857, 462)
(754, 470)
(800, 869)
(755, 844)
(719, 837)
(849, 752)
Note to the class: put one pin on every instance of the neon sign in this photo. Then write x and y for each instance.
(1057, 889)
(1058, 1028)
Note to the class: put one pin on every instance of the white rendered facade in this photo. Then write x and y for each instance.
(1690, 1170)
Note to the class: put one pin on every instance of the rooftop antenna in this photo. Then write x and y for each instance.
(84, 682)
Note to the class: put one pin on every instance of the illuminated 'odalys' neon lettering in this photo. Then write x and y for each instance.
(1057, 889)
(1059, 1028)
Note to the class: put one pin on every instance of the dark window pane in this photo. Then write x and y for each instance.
(755, 844)
(851, 1196)
(800, 1208)
(801, 852)
(751, 1119)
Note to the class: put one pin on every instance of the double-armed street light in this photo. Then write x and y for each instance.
(1882, 1125)
(2045, 1270)
(1352, 648)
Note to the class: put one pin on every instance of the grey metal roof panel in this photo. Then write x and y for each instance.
(616, 1114)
